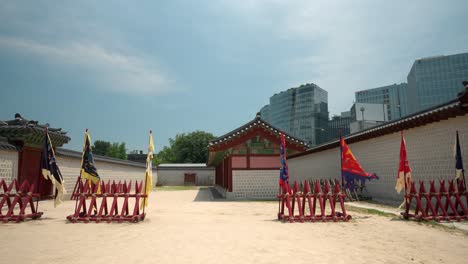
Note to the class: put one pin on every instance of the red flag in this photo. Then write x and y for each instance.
(350, 166)
(404, 170)
(351, 170)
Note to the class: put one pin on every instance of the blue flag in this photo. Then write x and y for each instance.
(284, 173)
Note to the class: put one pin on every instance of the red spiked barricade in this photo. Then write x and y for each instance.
(100, 202)
(18, 201)
(440, 205)
(311, 205)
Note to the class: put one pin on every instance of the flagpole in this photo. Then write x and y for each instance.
(463, 172)
(404, 170)
(341, 162)
(81, 169)
(40, 174)
(55, 182)
(279, 182)
(145, 199)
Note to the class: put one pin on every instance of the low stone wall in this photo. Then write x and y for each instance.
(429, 148)
(254, 184)
(176, 176)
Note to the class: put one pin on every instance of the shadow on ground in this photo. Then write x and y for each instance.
(203, 195)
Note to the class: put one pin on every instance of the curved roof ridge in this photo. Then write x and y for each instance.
(257, 120)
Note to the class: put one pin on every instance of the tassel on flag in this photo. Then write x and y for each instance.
(404, 170)
(149, 171)
(50, 169)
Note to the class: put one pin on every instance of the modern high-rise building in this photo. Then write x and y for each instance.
(393, 96)
(301, 111)
(436, 80)
(339, 125)
(265, 112)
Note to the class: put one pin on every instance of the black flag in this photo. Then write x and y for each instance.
(88, 168)
(50, 170)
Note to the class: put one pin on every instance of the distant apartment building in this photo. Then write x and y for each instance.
(393, 96)
(436, 80)
(365, 116)
(339, 125)
(301, 111)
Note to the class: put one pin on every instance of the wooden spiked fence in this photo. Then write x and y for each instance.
(18, 201)
(311, 204)
(108, 202)
(448, 202)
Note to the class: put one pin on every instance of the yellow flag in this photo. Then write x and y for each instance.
(149, 171)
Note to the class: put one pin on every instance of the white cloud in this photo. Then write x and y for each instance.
(115, 71)
(355, 45)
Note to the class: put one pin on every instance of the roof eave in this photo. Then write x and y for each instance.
(450, 109)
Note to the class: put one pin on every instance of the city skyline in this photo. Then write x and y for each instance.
(301, 111)
(435, 80)
(176, 67)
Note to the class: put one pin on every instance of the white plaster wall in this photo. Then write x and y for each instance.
(175, 177)
(70, 168)
(429, 148)
(254, 184)
(8, 165)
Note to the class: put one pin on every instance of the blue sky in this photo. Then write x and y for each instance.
(120, 68)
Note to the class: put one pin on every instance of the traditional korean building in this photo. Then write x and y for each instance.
(247, 160)
(21, 149)
(21, 144)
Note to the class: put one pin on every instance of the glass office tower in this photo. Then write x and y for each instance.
(282, 110)
(301, 111)
(393, 96)
(436, 80)
(265, 112)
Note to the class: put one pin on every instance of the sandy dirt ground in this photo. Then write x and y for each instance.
(186, 227)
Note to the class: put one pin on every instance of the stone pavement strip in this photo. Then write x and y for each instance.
(395, 211)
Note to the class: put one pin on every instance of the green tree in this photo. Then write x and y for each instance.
(114, 149)
(122, 151)
(186, 148)
(101, 147)
(166, 155)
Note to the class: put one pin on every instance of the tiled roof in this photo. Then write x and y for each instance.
(78, 154)
(183, 166)
(4, 145)
(31, 131)
(198, 165)
(257, 122)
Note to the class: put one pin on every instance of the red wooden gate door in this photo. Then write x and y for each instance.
(189, 178)
(30, 169)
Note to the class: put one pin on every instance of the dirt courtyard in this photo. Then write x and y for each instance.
(186, 227)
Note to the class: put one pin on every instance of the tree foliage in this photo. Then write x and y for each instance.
(186, 148)
(114, 150)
